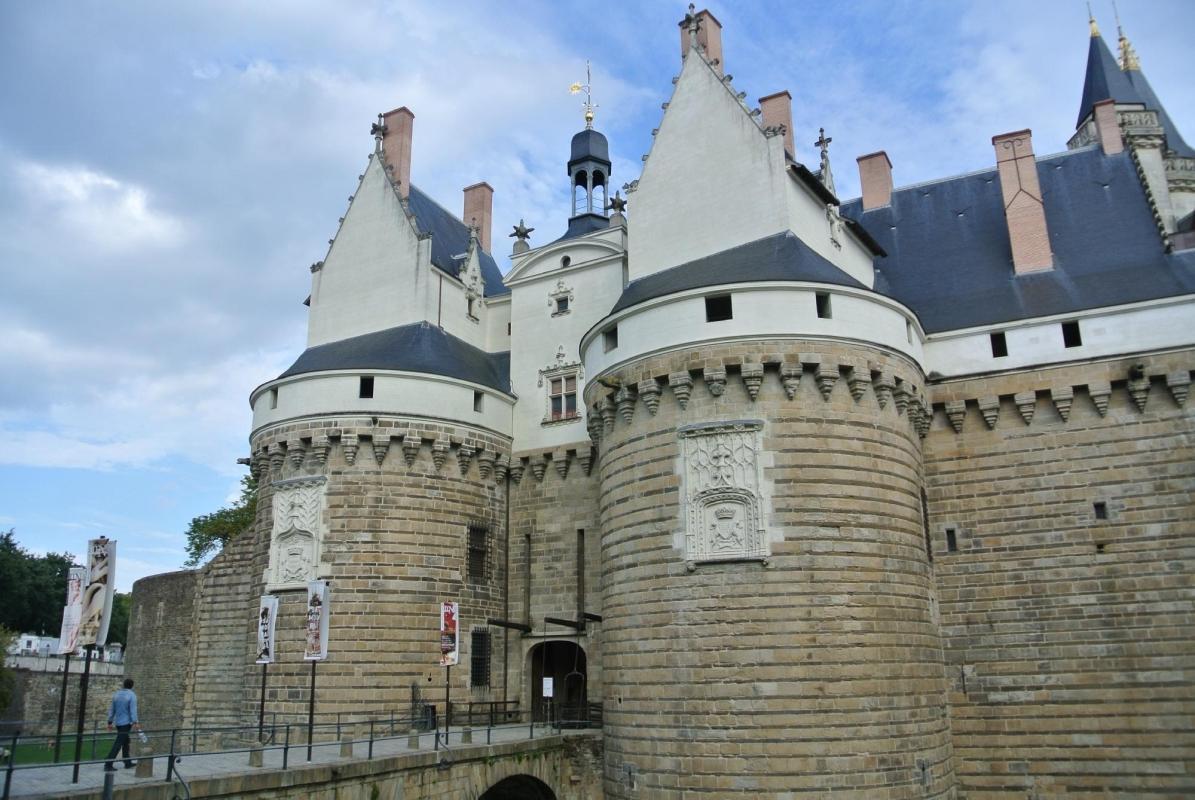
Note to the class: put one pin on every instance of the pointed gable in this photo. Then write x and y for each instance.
(1104, 80)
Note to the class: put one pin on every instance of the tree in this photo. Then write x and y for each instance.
(7, 678)
(118, 627)
(34, 588)
(210, 532)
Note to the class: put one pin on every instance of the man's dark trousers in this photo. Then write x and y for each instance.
(121, 745)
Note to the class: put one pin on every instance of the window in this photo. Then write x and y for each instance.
(479, 552)
(508, 329)
(718, 308)
(1070, 334)
(479, 657)
(610, 338)
(909, 331)
(365, 389)
(1101, 510)
(562, 397)
(472, 308)
(477, 401)
(951, 540)
(999, 345)
(823, 305)
(561, 305)
(929, 547)
(273, 398)
(565, 261)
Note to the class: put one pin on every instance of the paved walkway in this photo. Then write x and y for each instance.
(55, 780)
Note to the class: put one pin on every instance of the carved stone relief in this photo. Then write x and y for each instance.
(296, 539)
(722, 498)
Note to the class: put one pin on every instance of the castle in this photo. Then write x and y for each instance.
(887, 497)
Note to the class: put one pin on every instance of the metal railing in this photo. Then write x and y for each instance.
(283, 736)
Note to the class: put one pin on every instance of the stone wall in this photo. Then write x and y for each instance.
(33, 709)
(1067, 629)
(815, 668)
(161, 635)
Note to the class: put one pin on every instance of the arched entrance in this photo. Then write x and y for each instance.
(519, 787)
(564, 662)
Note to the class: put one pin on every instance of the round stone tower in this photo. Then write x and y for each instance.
(768, 609)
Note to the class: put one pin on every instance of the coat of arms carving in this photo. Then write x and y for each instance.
(721, 493)
(297, 534)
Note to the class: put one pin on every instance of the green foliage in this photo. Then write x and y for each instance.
(34, 588)
(7, 678)
(209, 533)
(118, 628)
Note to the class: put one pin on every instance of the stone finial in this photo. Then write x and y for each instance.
(319, 450)
(410, 448)
(790, 378)
(585, 457)
(1100, 391)
(1063, 397)
(752, 375)
(956, 412)
(681, 384)
(296, 451)
(1139, 391)
(883, 389)
(516, 469)
(649, 392)
(485, 463)
(624, 399)
(560, 460)
(826, 375)
(464, 456)
(539, 465)
(1026, 404)
(1179, 383)
(715, 380)
(440, 453)
(857, 381)
(990, 408)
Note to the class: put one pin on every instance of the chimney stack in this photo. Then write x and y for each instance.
(709, 37)
(479, 211)
(396, 146)
(875, 176)
(776, 110)
(1107, 129)
(1023, 209)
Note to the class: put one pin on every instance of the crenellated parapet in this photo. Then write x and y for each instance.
(980, 404)
(650, 385)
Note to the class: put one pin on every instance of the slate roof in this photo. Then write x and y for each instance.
(419, 347)
(450, 237)
(949, 257)
(583, 224)
(780, 257)
(1174, 139)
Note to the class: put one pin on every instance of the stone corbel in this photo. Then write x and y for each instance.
(585, 457)
(956, 412)
(649, 391)
(296, 451)
(624, 399)
(883, 389)
(440, 453)
(381, 445)
(1179, 383)
(715, 380)
(501, 468)
(752, 375)
(539, 466)
(485, 463)
(277, 458)
(990, 408)
(348, 445)
(1100, 391)
(826, 376)
(606, 409)
(681, 384)
(1139, 391)
(1026, 404)
(319, 450)
(1063, 397)
(464, 456)
(517, 465)
(560, 460)
(790, 378)
(411, 442)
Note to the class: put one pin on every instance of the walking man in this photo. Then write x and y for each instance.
(123, 714)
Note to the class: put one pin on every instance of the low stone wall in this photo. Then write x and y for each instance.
(34, 706)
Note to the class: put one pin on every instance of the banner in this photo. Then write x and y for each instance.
(267, 615)
(72, 612)
(449, 653)
(316, 648)
(97, 597)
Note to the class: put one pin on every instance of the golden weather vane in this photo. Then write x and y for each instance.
(588, 105)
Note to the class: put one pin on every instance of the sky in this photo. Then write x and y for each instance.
(169, 171)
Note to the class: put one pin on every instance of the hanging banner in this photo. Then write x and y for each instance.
(72, 612)
(267, 615)
(448, 640)
(316, 648)
(97, 597)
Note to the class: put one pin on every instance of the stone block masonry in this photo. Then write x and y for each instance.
(1068, 602)
(161, 636)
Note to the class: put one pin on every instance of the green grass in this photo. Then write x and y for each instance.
(37, 752)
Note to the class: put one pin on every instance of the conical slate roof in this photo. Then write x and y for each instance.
(1174, 139)
(1104, 80)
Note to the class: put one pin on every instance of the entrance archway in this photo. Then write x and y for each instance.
(519, 787)
(564, 662)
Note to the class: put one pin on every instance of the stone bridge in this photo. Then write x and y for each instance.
(565, 765)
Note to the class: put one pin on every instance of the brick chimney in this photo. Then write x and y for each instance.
(1107, 130)
(396, 146)
(1023, 209)
(875, 176)
(709, 36)
(479, 211)
(776, 110)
